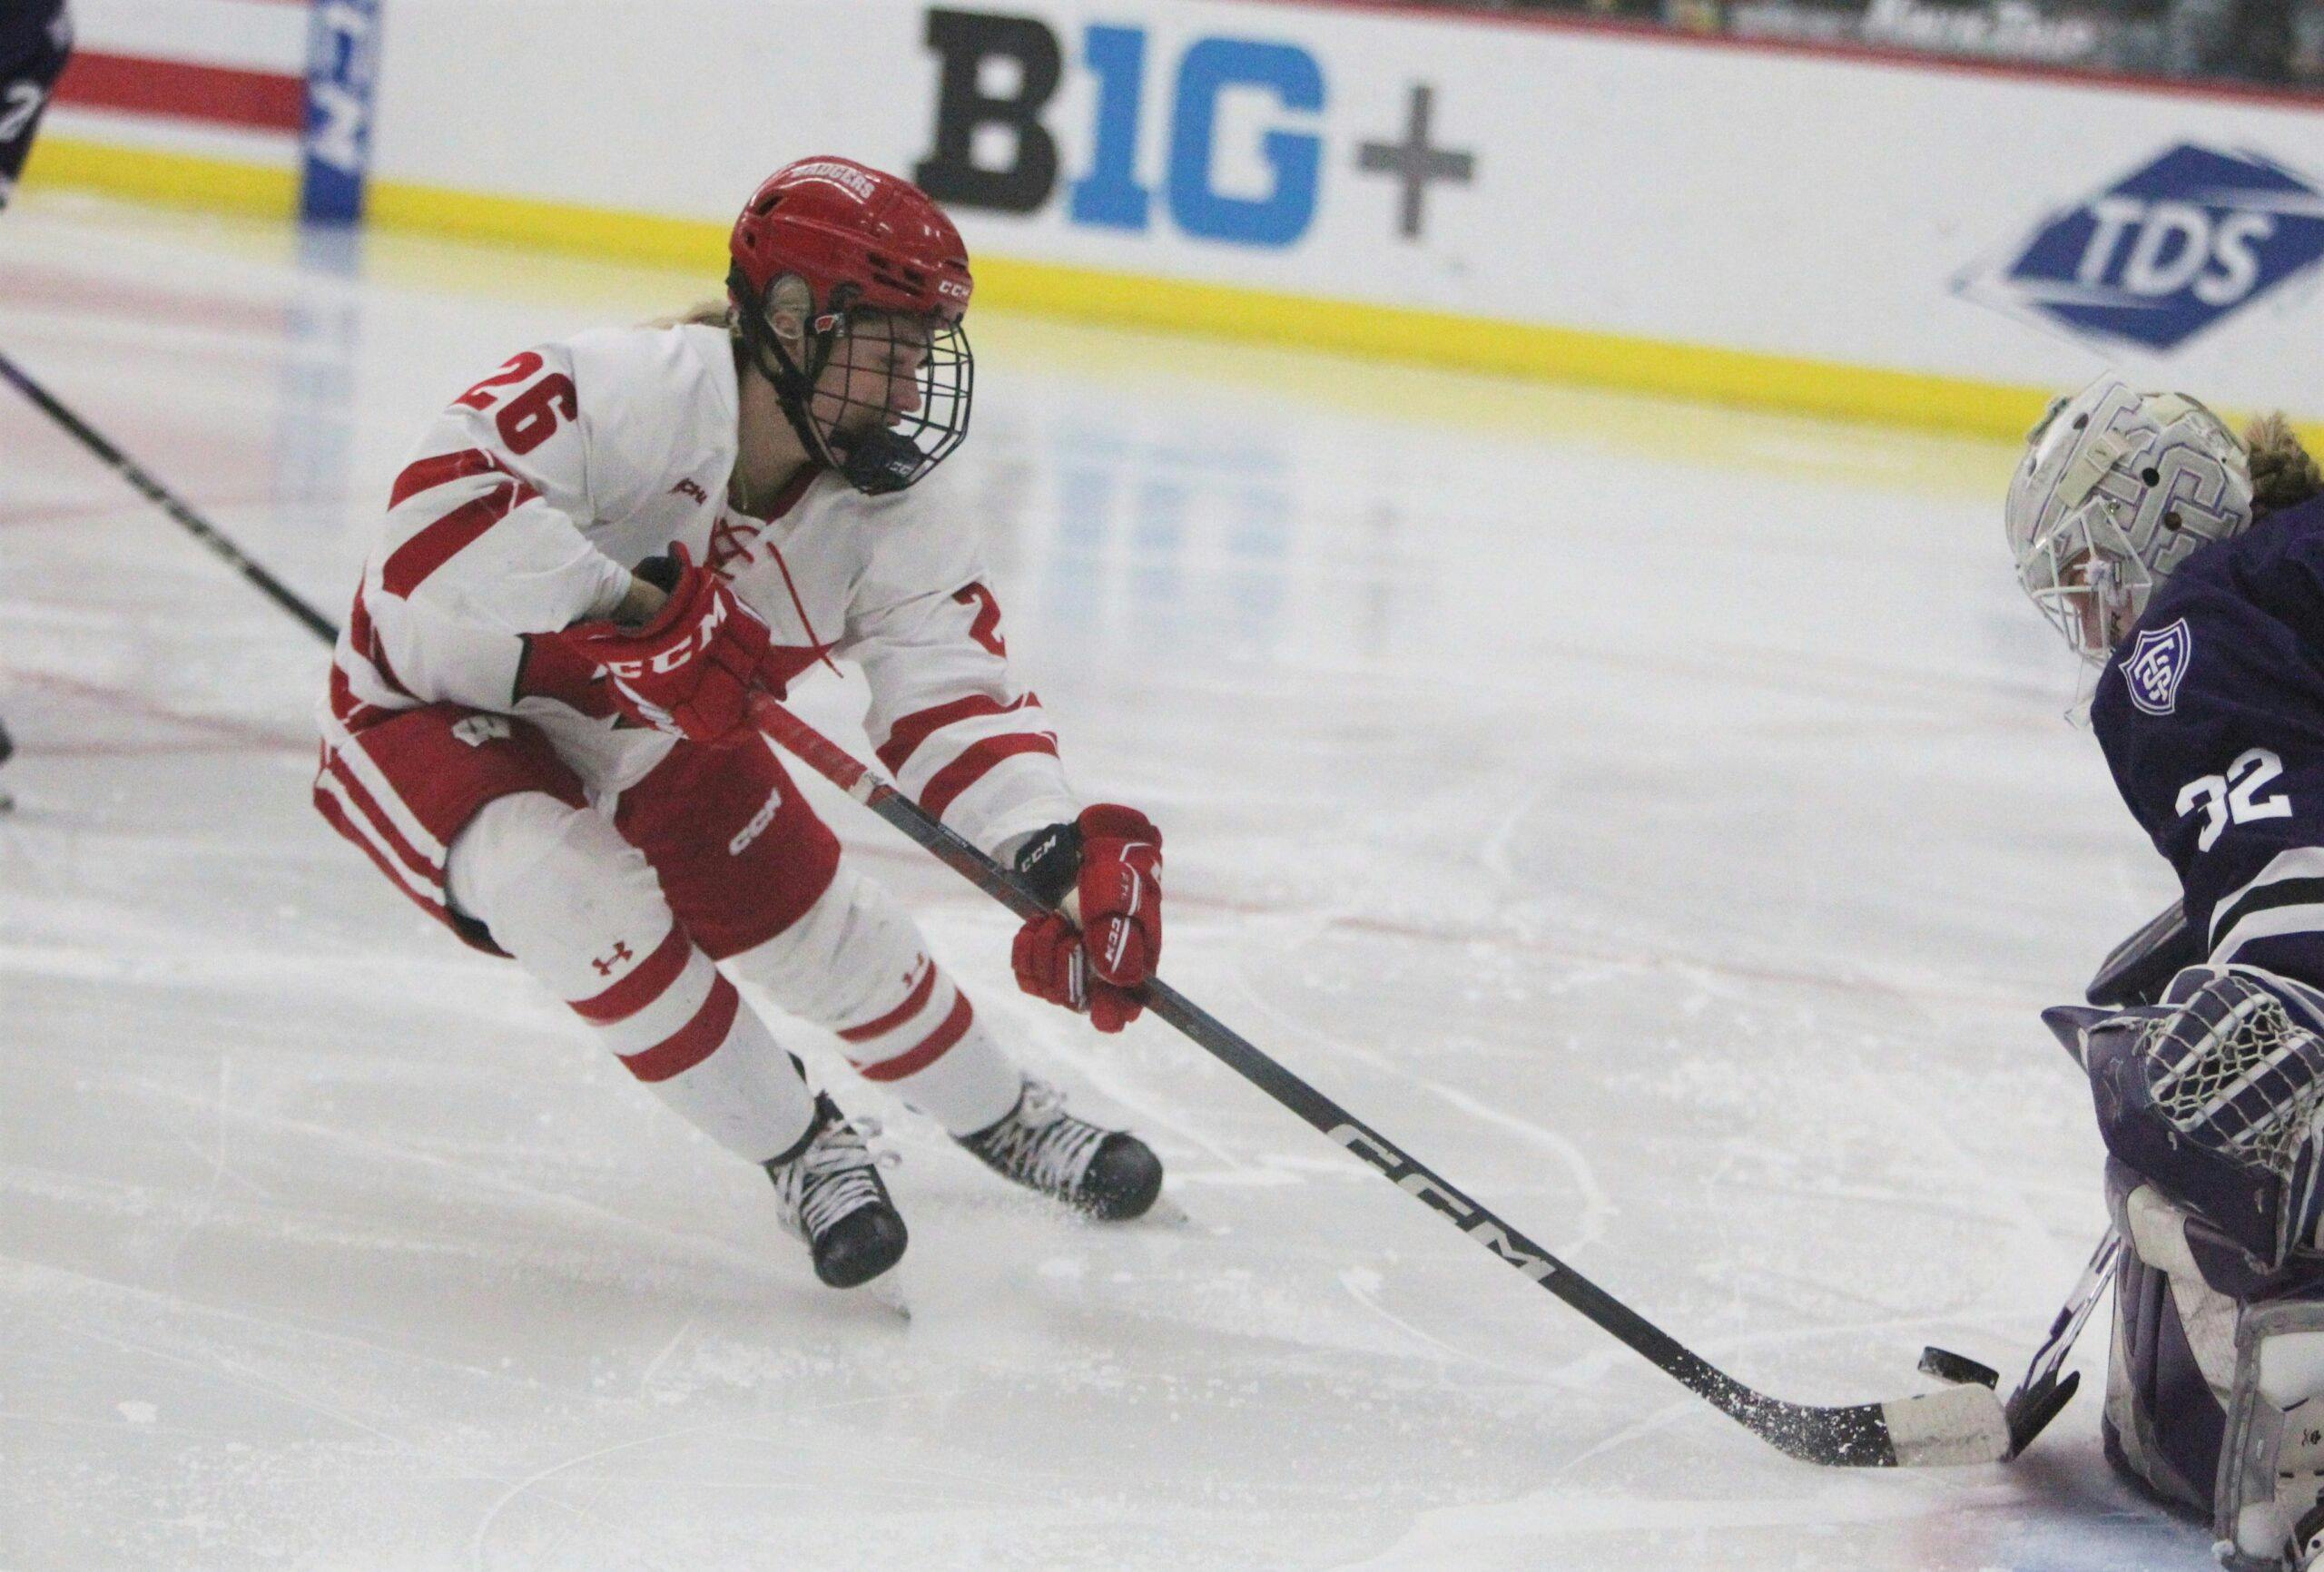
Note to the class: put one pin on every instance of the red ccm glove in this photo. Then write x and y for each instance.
(692, 667)
(1106, 866)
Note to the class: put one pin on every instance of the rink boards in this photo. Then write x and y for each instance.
(1922, 242)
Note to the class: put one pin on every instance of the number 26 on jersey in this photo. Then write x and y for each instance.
(2234, 796)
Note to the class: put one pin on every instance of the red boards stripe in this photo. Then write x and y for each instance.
(182, 90)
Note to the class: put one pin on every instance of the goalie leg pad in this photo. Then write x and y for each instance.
(2170, 1369)
(2215, 1389)
(2271, 1471)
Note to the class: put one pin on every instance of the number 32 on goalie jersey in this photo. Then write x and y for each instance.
(2234, 796)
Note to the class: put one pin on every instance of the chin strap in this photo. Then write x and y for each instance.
(793, 384)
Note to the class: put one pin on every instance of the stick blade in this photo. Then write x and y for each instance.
(2031, 1412)
(1959, 1425)
(1939, 1428)
(1953, 1429)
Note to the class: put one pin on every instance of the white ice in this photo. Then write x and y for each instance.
(1662, 820)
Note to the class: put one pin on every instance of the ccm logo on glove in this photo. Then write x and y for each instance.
(701, 637)
(692, 667)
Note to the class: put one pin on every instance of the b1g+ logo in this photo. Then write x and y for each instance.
(2171, 249)
(1238, 121)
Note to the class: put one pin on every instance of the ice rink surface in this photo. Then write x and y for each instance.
(1662, 821)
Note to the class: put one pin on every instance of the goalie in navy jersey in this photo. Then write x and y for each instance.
(2187, 565)
(35, 40)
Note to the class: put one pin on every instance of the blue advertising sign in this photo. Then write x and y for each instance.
(2165, 252)
(342, 67)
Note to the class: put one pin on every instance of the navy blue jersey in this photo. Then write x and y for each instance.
(35, 36)
(29, 31)
(2212, 715)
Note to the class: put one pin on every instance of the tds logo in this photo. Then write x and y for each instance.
(2166, 251)
(996, 75)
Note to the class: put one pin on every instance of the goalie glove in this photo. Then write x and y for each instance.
(1106, 868)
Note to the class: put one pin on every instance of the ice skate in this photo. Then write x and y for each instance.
(832, 1196)
(1110, 1175)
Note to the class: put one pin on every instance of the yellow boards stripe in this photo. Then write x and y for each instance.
(1747, 378)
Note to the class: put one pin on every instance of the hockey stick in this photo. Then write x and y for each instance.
(2138, 969)
(161, 497)
(2133, 975)
(1964, 1424)
(2040, 1396)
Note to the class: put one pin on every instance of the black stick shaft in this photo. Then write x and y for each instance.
(1855, 1436)
(1861, 1437)
(161, 497)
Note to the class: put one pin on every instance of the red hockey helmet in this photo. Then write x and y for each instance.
(872, 275)
(839, 224)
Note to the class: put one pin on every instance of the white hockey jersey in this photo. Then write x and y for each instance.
(528, 503)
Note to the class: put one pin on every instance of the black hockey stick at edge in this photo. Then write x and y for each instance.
(1962, 1424)
(161, 497)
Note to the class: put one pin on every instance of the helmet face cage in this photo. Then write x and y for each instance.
(2118, 489)
(881, 396)
(892, 400)
(2085, 577)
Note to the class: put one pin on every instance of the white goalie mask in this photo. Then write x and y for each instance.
(2117, 488)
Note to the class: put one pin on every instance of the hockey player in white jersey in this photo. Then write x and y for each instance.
(537, 717)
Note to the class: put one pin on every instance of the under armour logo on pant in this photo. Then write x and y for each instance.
(621, 953)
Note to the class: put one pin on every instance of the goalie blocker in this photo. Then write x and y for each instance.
(2209, 1103)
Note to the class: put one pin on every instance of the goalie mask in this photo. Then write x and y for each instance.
(2116, 489)
(848, 285)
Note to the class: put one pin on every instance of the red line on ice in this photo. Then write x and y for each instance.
(226, 735)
